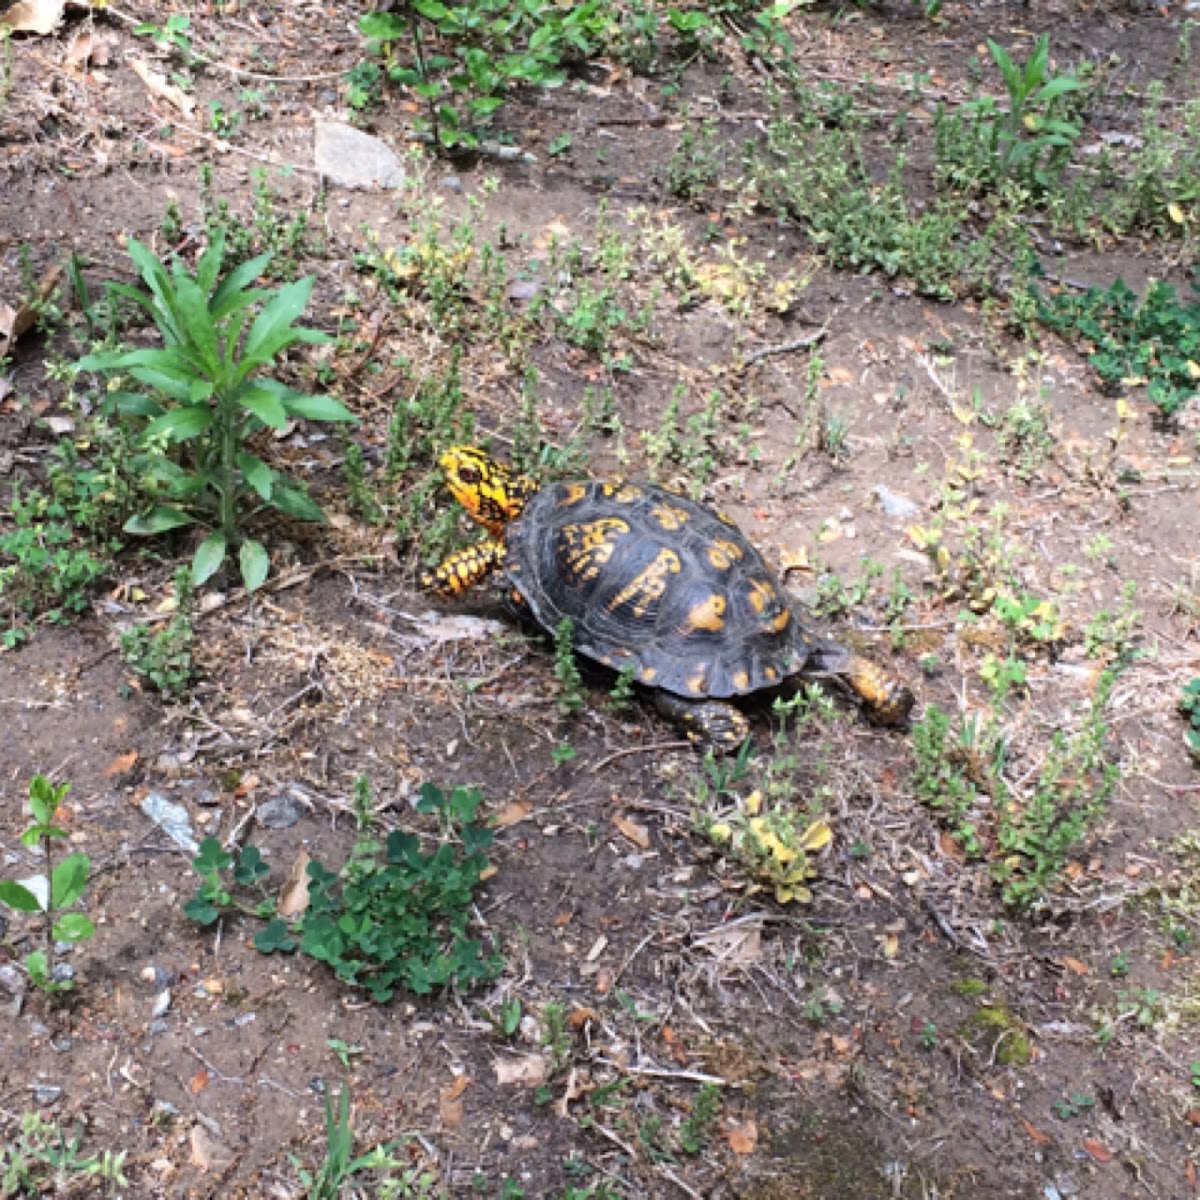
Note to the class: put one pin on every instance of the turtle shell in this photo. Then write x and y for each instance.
(656, 582)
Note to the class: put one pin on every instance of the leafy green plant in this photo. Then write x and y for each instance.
(43, 1160)
(570, 699)
(1152, 340)
(1189, 706)
(52, 894)
(393, 916)
(695, 1132)
(953, 771)
(164, 657)
(205, 392)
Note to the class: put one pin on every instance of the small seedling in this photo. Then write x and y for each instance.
(566, 671)
(695, 1132)
(51, 894)
(1189, 706)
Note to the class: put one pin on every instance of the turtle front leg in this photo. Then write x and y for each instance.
(718, 726)
(887, 699)
(464, 569)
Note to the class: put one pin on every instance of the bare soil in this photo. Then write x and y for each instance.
(845, 1034)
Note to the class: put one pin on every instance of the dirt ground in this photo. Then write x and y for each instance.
(863, 1043)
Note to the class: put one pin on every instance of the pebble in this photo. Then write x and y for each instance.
(11, 980)
(452, 183)
(46, 1094)
(62, 972)
(895, 505)
(280, 812)
(163, 1112)
(162, 1003)
(352, 158)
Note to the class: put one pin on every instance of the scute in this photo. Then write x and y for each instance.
(686, 601)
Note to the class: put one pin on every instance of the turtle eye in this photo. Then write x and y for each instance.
(470, 475)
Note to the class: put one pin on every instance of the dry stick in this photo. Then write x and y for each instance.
(800, 343)
(640, 750)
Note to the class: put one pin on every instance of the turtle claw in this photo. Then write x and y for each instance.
(717, 726)
(888, 700)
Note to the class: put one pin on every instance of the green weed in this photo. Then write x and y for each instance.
(205, 393)
(43, 1160)
(696, 1131)
(60, 887)
(570, 699)
(164, 657)
(1189, 706)
(394, 915)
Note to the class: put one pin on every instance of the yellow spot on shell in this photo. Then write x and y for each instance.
(723, 554)
(780, 622)
(650, 584)
(741, 680)
(647, 674)
(760, 596)
(669, 517)
(621, 492)
(707, 615)
(698, 684)
(572, 494)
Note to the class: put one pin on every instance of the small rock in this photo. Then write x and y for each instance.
(158, 1027)
(162, 1003)
(163, 1112)
(452, 183)
(63, 1045)
(895, 505)
(280, 812)
(62, 973)
(172, 819)
(351, 158)
(11, 980)
(46, 1094)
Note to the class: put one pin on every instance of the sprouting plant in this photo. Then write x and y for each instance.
(566, 671)
(695, 1132)
(1189, 706)
(51, 894)
(164, 657)
(205, 392)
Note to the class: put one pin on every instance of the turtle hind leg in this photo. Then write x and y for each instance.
(715, 724)
(888, 700)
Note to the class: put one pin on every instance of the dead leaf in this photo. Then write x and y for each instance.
(795, 560)
(1100, 1153)
(199, 1081)
(1192, 1116)
(204, 1148)
(88, 48)
(840, 375)
(1190, 1171)
(1073, 964)
(742, 1139)
(121, 764)
(34, 16)
(1037, 1135)
(891, 946)
(529, 1070)
(733, 945)
(639, 835)
(157, 85)
(951, 849)
(450, 1102)
(511, 813)
(247, 784)
(573, 1092)
(293, 895)
(17, 321)
(579, 1017)
(597, 949)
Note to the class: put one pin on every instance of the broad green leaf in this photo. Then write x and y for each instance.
(316, 408)
(179, 387)
(255, 564)
(210, 554)
(73, 927)
(383, 26)
(232, 292)
(201, 910)
(257, 474)
(158, 520)
(198, 328)
(1058, 87)
(44, 798)
(296, 503)
(272, 328)
(274, 937)
(264, 404)
(17, 896)
(181, 424)
(250, 868)
(68, 880)
(159, 282)
(208, 269)
(131, 404)
(211, 859)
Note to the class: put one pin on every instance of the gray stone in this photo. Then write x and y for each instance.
(46, 1094)
(351, 158)
(280, 812)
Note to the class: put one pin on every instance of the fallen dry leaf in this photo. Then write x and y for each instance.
(527, 1071)
(199, 1081)
(1035, 1133)
(639, 835)
(246, 786)
(742, 1139)
(1073, 964)
(293, 895)
(34, 16)
(204, 1148)
(88, 48)
(511, 813)
(157, 85)
(840, 375)
(121, 764)
(17, 321)
(598, 947)
(1097, 1151)
(450, 1102)
(579, 1017)
(1192, 1116)
(573, 1092)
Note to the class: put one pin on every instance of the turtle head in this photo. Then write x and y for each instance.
(492, 494)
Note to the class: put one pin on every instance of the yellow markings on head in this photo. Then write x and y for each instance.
(572, 494)
(621, 492)
(723, 553)
(741, 680)
(649, 585)
(586, 547)
(492, 495)
(669, 517)
(708, 615)
(698, 684)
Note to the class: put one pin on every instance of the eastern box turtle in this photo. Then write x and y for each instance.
(653, 582)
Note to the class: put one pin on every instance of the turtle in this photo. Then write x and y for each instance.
(654, 583)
